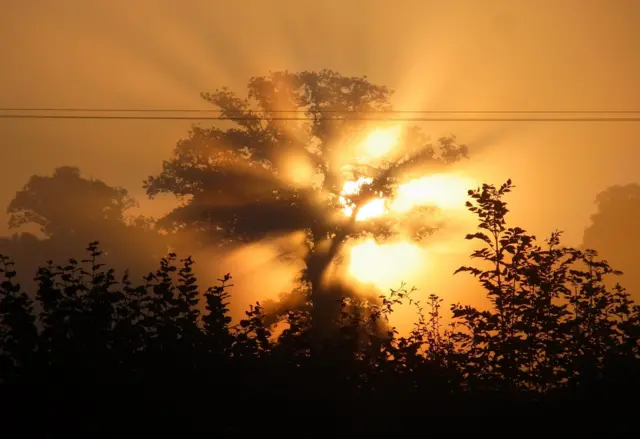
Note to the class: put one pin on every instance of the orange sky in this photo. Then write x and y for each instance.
(441, 55)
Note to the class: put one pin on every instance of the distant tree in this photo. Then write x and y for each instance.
(72, 210)
(614, 231)
(67, 204)
(274, 173)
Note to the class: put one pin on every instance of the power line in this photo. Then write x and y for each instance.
(278, 118)
(175, 110)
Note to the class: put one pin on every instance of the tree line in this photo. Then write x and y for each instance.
(102, 352)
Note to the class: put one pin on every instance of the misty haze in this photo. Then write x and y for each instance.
(365, 212)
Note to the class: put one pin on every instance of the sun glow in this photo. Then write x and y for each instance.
(353, 187)
(372, 209)
(385, 265)
(446, 191)
(380, 142)
(296, 169)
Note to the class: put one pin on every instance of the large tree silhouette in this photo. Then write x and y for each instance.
(247, 181)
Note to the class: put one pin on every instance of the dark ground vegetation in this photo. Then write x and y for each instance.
(104, 355)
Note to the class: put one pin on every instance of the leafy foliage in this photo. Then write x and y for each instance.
(107, 354)
(554, 322)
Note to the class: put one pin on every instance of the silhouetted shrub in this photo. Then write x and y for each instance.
(107, 355)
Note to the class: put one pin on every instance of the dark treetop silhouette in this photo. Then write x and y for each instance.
(238, 180)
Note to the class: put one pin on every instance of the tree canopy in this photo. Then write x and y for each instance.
(282, 165)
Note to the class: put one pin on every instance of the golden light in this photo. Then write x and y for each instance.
(446, 191)
(372, 209)
(385, 265)
(296, 169)
(379, 142)
(352, 187)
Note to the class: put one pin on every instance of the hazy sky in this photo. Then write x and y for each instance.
(456, 55)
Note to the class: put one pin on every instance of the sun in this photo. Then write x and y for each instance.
(385, 265)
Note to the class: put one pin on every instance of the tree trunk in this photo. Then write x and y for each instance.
(325, 298)
(325, 306)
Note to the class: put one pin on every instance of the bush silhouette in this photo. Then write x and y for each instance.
(105, 355)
